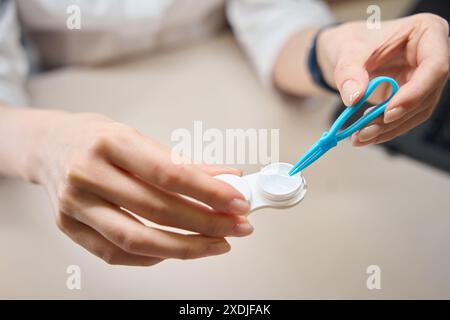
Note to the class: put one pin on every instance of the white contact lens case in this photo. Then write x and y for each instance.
(270, 187)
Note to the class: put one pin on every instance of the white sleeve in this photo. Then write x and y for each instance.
(13, 60)
(262, 27)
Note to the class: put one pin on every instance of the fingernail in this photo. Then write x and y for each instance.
(368, 110)
(394, 114)
(239, 206)
(350, 92)
(235, 171)
(354, 137)
(217, 247)
(369, 133)
(242, 229)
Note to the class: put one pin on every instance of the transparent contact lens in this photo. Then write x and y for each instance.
(275, 183)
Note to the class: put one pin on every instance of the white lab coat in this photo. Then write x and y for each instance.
(112, 29)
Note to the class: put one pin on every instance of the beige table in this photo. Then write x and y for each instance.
(363, 207)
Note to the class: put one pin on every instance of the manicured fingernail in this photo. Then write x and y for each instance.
(217, 247)
(235, 171)
(354, 137)
(394, 114)
(368, 110)
(350, 92)
(242, 229)
(369, 133)
(239, 206)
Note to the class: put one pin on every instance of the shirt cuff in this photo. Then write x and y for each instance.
(263, 40)
(13, 95)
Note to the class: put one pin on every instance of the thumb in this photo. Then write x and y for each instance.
(351, 77)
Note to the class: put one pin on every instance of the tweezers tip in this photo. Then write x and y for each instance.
(293, 171)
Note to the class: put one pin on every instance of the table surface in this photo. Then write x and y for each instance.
(363, 206)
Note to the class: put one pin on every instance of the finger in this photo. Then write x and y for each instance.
(157, 168)
(215, 171)
(406, 126)
(210, 169)
(397, 131)
(378, 127)
(428, 104)
(96, 244)
(370, 131)
(165, 208)
(351, 75)
(134, 237)
(432, 71)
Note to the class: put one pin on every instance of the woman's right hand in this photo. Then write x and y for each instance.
(96, 170)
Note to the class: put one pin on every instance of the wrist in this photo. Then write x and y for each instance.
(327, 56)
(21, 152)
(43, 129)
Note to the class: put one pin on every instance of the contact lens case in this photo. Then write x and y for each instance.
(272, 186)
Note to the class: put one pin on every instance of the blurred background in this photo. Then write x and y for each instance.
(387, 206)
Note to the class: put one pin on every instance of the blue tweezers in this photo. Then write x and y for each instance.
(330, 139)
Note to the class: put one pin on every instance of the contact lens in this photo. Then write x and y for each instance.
(276, 184)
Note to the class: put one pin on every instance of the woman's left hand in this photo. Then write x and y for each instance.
(412, 50)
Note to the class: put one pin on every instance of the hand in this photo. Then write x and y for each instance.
(413, 50)
(97, 171)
